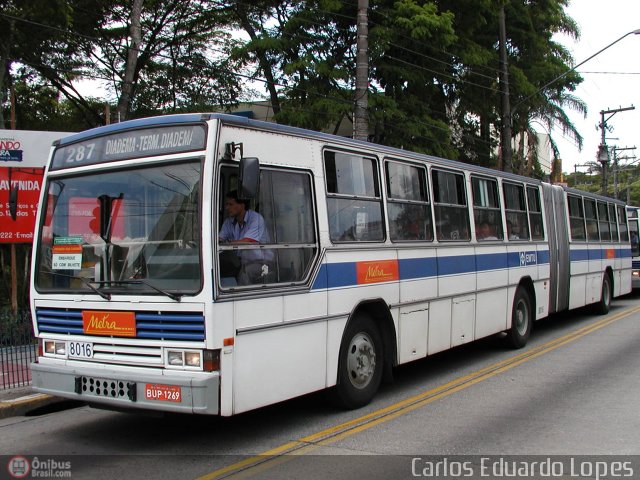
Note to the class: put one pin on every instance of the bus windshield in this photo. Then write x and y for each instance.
(127, 231)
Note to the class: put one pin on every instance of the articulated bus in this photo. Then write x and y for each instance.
(634, 231)
(373, 257)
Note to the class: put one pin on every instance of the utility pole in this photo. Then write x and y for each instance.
(360, 117)
(616, 169)
(505, 163)
(603, 152)
(14, 260)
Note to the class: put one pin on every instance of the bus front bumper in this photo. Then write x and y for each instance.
(109, 388)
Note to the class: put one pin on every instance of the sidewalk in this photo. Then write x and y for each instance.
(15, 402)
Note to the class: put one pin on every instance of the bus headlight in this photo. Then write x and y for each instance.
(174, 358)
(192, 359)
(184, 358)
(54, 348)
(49, 347)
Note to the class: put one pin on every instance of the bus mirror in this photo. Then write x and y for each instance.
(13, 202)
(249, 178)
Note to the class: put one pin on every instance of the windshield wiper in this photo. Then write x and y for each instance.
(172, 296)
(88, 283)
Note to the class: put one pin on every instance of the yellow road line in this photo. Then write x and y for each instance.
(364, 422)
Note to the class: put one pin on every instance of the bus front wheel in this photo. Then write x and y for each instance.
(360, 364)
(521, 319)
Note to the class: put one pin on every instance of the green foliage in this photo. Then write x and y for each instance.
(433, 65)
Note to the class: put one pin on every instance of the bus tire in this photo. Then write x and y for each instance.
(521, 319)
(360, 364)
(604, 304)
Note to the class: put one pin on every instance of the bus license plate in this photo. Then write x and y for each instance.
(162, 393)
(80, 350)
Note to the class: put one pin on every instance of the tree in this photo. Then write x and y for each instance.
(536, 59)
(183, 56)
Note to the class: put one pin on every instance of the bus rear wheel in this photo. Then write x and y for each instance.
(603, 306)
(360, 364)
(521, 319)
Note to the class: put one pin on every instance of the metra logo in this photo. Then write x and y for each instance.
(378, 271)
(109, 323)
(528, 258)
(96, 323)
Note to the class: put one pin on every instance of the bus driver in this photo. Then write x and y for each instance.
(245, 226)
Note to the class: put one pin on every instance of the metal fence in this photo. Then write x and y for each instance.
(18, 348)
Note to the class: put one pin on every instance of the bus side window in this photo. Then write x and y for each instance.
(450, 206)
(603, 219)
(354, 203)
(516, 211)
(287, 207)
(408, 202)
(535, 213)
(576, 218)
(486, 209)
(591, 218)
(613, 225)
(622, 224)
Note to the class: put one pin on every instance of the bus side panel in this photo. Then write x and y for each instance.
(418, 283)
(542, 286)
(439, 326)
(491, 300)
(579, 271)
(491, 312)
(413, 329)
(622, 272)
(456, 270)
(463, 311)
(417, 274)
(267, 349)
(594, 276)
(279, 363)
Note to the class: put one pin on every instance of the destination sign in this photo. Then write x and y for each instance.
(145, 142)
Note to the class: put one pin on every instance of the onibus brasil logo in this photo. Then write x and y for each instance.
(21, 467)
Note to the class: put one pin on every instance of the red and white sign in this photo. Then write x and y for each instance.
(28, 182)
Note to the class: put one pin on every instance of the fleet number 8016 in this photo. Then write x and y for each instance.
(80, 349)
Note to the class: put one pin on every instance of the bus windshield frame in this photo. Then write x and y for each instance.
(128, 231)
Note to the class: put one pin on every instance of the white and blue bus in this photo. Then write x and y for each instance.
(375, 257)
(634, 232)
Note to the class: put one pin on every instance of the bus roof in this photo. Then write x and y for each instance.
(242, 121)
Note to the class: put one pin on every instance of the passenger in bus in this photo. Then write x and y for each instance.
(246, 226)
(513, 230)
(485, 232)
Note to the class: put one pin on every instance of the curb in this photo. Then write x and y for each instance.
(22, 405)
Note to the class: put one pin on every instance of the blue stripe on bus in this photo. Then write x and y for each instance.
(344, 274)
(492, 261)
(456, 264)
(579, 255)
(412, 268)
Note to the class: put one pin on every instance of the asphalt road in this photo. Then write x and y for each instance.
(570, 398)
